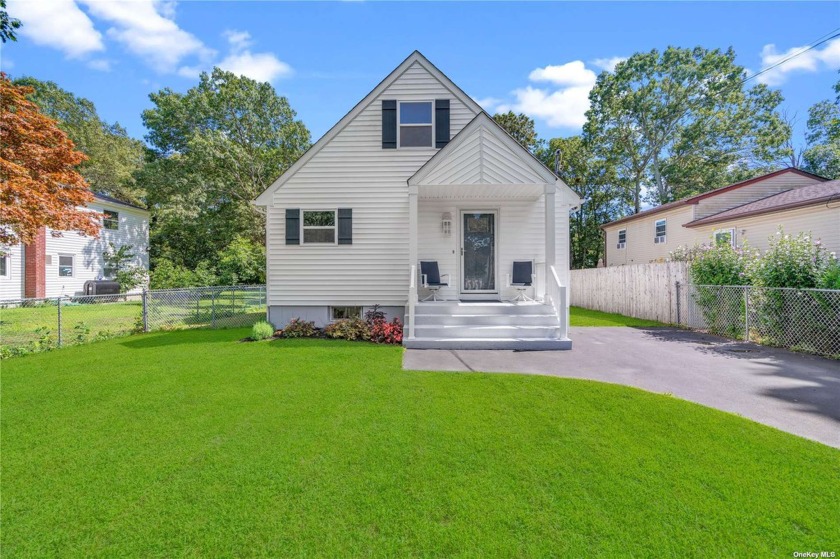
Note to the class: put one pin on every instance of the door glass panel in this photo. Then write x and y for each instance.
(479, 252)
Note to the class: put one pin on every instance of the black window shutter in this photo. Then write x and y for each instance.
(389, 124)
(441, 122)
(292, 226)
(345, 226)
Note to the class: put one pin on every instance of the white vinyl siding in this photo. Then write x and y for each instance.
(11, 285)
(89, 264)
(353, 171)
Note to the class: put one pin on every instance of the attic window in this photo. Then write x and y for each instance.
(111, 220)
(416, 122)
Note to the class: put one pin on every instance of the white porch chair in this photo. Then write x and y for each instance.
(523, 278)
(431, 278)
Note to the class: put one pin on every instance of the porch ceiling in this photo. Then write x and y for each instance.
(480, 191)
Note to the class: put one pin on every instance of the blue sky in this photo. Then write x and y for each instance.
(539, 58)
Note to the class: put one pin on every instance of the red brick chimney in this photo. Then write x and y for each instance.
(35, 265)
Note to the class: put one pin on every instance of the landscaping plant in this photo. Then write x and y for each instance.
(348, 329)
(262, 330)
(298, 328)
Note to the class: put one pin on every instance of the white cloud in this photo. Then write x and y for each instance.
(608, 64)
(573, 73)
(263, 66)
(565, 107)
(238, 40)
(827, 57)
(557, 95)
(146, 29)
(59, 24)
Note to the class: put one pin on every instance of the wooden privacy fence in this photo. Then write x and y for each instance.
(639, 290)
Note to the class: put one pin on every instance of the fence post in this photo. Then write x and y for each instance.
(213, 313)
(145, 310)
(679, 321)
(746, 314)
(59, 321)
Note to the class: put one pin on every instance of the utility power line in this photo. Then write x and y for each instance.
(822, 40)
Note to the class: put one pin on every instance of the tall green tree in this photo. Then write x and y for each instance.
(822, 154)
(594, 179)
(214, 149)
(8, 24)
(521, 128)
(113, 157)
(682, 121)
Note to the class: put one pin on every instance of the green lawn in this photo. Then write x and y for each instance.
(191, 443)
(588, 317)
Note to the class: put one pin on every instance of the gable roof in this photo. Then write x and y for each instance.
(722, 190)
(789, 199)
(415, 57)
(110, 200)
(483, 153)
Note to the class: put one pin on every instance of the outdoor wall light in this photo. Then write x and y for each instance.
(446, 224)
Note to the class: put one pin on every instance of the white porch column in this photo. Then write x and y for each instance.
(550, 233)
(412, 256)
(412, 225)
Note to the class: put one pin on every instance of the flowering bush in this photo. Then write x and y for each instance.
(721, 265)
(348, 329)
(684, 253)
(383, 332)
(793, 262)
(298, 328)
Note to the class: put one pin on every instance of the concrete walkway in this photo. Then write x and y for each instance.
(796, 393)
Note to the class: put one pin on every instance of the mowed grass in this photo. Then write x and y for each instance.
(587, 317)
(193, 444)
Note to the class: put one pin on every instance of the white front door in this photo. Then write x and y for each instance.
(478, 252)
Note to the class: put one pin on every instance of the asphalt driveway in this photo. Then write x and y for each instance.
(790, 391)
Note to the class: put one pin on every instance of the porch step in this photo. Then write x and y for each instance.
(546, 320)
(486, 325)
(520, 344)
(458, 308)
(473, 331)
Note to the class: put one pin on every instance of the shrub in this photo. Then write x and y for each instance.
(298, 328)
(348, 329)
(262, 330)
(830, 278)
(167, 275)
(721, 265)
(382, 332)
(792, 262)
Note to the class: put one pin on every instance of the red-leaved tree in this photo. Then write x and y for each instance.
(39, 184)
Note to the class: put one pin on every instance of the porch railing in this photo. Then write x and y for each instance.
(556, 295)
(412, 299)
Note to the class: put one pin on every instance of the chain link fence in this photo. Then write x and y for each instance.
(799, 319)
(30, 325)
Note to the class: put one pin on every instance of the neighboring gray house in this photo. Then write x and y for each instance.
(417, 171)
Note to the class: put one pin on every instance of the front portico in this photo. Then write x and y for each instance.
(480, 204)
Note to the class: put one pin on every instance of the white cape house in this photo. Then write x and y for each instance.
(417, 181)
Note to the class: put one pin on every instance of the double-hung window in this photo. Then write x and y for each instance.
(4, 265)
(318, 227)
(660, 229)
(622, 239)
(111, 220)
(65, 266)
(416, 124)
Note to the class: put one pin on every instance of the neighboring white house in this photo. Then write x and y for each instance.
(417, 171)
(57, 265)
(749, 211)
